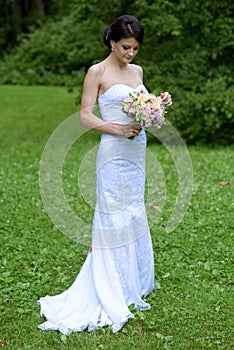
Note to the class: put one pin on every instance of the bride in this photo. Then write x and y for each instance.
(119, 268)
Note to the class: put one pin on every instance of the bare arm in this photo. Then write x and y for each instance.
(88, 102)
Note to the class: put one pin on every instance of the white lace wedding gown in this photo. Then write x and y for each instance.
(119, 269)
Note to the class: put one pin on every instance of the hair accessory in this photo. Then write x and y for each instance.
(108, 33)
(130, 28)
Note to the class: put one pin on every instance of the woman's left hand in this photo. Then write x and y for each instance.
(166, 98)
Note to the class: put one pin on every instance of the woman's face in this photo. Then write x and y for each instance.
(125, 49)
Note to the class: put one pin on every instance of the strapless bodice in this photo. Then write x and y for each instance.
(110, 103)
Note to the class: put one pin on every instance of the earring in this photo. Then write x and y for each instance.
(112, 48)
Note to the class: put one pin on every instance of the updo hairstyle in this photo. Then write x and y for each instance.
(123, 27)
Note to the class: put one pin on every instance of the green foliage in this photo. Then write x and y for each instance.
(10, 24)
(206, 116)
(57, 54)
(187, 50)
(22, 16)
(193, 295)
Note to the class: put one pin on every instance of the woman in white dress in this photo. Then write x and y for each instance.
(119, 268)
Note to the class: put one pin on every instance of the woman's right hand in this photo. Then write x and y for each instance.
(132, 129)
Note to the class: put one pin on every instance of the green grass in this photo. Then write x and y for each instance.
(192, 304)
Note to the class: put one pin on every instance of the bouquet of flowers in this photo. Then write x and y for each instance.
(145, 108)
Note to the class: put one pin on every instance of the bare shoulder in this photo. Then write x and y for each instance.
(137, 70)
(93, 78)
(91, 85)
(96, 70)
(97, 67)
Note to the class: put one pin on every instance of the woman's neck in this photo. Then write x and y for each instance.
(116, 62)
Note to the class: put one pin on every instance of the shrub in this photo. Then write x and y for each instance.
(187, 51)
(55, 54)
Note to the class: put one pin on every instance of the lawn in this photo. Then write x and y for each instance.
(192, 304)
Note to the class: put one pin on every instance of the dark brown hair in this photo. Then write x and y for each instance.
(125, 26)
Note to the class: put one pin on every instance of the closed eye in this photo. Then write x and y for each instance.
(128, 48)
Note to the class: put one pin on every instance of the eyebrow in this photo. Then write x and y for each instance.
(137, 46)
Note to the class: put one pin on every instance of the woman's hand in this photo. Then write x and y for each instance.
(166, 98)
(132, 129)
